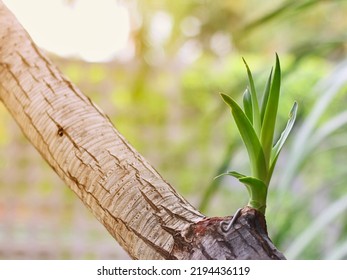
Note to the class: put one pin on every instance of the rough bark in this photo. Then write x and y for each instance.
(208, 239)
(141, 211)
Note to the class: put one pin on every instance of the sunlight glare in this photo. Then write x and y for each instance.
(88, 29)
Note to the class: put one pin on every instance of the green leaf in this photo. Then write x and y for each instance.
(265, 97)
(247, 105)
(235, 174)
(284, 135)
(255, 105)
(249, 137)
(269, 122)
(257, 190)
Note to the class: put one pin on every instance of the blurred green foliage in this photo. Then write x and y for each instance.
(165, 101)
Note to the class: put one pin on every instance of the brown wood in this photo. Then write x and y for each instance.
(208, 240)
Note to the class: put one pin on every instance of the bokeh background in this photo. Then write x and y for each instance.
(157, 68)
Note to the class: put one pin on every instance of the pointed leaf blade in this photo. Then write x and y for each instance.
(284, 135)
(265, 97)
(255, 105)
(234, 174)
(247, 105)
(249, 137)
(268, 126)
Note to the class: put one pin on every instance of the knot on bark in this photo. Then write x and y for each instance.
(247, 239)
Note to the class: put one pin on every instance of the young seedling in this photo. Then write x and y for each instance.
(256, 125)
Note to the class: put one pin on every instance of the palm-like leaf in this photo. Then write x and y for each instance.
(265, 97)
(269, 122)
(257, 131)
(278, 147)
(247, 105)
(249, 137)
(255, 105)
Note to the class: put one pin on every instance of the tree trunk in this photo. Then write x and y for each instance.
(141, 211)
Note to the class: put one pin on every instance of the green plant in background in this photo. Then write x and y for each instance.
(256, 125)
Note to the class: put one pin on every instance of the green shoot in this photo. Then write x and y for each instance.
(254, 100)
(271, 106)
(257, 129)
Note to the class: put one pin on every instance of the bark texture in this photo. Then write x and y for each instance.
(208, 239)
(141, 211)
